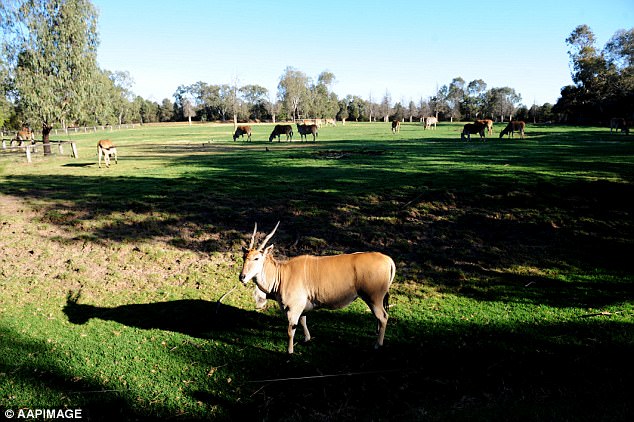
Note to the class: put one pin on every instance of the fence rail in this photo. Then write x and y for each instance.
(75, 129)
(29, 148)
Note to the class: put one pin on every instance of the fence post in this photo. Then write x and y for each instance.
(73, 147)
(28, 153)
(61, 149)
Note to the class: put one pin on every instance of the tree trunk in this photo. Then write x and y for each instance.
(46, 139)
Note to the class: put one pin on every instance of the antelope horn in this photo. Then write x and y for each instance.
(267, 238)
(255, 229)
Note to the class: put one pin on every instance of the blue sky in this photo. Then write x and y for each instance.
(406, 48)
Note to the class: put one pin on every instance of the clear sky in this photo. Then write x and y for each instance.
(406, 48)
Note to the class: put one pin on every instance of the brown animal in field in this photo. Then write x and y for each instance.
(305, 130)
(488, 123)
(512, 127)
(106, 148)
(241, 131)
(279, 130)
(306, 282)
(25, 134)
(471, 129)
(331, 122)
(429, 121)
(396, 126)
(619, 123)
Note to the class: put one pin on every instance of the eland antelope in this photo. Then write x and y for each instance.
(396, 126)
(471, 129)
(279, 130)
(512, 127)
(619, 123)
(305, 130)
(241, 131)
(488, 123)
(106, 148)
(306, 282)
(429, 121)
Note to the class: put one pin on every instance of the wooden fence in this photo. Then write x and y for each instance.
(27, 148)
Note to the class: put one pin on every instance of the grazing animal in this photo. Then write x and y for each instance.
(305, 130)
(512, 127)
(618, 123)
(106, 148)
(471, 129)
(26, 134)
(489, 125)
(279, 130)
(241, 131)
(430, 121)
(332, 122)
(307, 282)
(396, 126)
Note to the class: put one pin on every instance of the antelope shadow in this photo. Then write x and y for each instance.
(194, 317)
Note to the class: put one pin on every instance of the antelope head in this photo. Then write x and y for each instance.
(253, 258)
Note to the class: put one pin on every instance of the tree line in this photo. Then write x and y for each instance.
(50, 78)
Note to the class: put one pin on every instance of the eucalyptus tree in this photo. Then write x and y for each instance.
(386, 106)
(121, 93)
(293, 91)
(502, 102)
(474, 101)
(456, 93)
(51, 52)
(255, 98)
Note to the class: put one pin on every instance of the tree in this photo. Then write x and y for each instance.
(166, 110)
(51, 47)
(603, 79)
(255, 97)
(189, 110)
(456, 94)
(343, 111)
(412, 111)
(121, 93)
(473, 105)
(385, 106)
(293, 91)
(502, 102)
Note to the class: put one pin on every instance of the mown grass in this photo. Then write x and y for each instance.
(513, 298)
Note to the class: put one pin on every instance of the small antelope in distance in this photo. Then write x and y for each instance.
(430, 121)
(241, 131)
(396, 126)
(619, 123)
(106, 148)
(515, 126)
(25, 134)
(306, 282)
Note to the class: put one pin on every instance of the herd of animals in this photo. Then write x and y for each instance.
(106, 149)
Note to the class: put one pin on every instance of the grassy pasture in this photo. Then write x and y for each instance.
(514, 297)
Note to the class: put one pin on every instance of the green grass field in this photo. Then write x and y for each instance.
(514, 296)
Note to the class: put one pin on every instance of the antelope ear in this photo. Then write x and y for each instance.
(268, 250)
